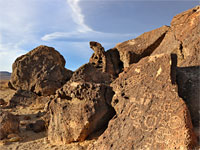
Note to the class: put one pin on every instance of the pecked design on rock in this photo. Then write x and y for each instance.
(40, 70)
(150, 114)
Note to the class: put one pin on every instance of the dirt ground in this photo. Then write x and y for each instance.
(30, 140)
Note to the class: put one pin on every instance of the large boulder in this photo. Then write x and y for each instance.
(183, 38)
(132, 51)
(79, 109)
(41, 70)
(9, 124)
(106, 61)
(150, 114)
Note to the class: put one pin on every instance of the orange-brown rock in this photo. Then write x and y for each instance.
(9, 124)
(106, 61)
(79, 109)
(132, 51)
(150, 114)
(40, 70)
(183, 38)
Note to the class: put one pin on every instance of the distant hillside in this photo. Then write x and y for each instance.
(4, 75)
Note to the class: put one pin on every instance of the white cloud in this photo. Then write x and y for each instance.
(77, 16)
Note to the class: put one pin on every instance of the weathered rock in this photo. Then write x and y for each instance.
(188, 80)
(108, 61)
(150, 114)
(88, 73)
(23, 98)
(80, 109)
(40, 70)
(9, 124)
(183, 38)
(132, 51)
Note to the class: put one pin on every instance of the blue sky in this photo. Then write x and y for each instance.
(69, 25)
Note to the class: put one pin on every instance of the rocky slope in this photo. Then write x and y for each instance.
(141, 94)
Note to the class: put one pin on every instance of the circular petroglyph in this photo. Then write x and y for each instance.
(175, 122)
(150, 121)
(135, 114)
(162, 134)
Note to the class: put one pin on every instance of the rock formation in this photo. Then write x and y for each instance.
(80, 109)
(183, 38)
(150, 114)
(40, 70)
(9, 124)
(132, 51)
(108, 61)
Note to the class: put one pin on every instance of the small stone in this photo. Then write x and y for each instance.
(3, 142)
(14, 139)
(12, 135)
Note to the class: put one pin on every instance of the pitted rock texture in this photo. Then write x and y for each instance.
(9, 124)
(150, 114)
(89, 73)
(132, 51)
(40, 70)
(108, 61)
(183, 38)
(188, 80)
(22, 98)
(79, 109)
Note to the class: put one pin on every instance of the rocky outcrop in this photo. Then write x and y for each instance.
(183, 38)
(108, 61)
(150, 114)
(89, 73)
(79, 109)
(9, 124)
(132, 51)
(40, 70)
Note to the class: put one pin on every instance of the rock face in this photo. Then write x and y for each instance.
(108, 61)
(89, 73)
(183, 38)
(41, 71)
(132, 51)
(8, 124)
(80, 109)
(188, 80)
(150, 114)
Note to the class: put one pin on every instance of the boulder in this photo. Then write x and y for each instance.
(183, 38)
(132, 51)
(9, 124)
(79, 109)
(22, 98)
(150, 114)
(106, 61)
(41, 70)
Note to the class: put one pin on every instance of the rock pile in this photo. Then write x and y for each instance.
(142, 94)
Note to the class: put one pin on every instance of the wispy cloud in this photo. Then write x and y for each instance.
(83, 33)
(77, 16)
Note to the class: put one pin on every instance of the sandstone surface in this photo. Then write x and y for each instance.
(150, 114)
